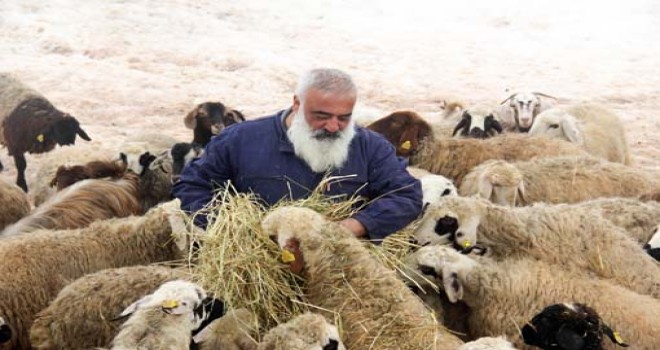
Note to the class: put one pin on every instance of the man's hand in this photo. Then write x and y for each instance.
(354, 226)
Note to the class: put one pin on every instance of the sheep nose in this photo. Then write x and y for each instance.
(446, 225)
(477, 133)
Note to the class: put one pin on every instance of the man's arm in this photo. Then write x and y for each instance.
(397, 196)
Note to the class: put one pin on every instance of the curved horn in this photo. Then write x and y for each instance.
(544, 95)
(508, 98)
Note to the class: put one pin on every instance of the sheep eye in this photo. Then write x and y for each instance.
(427, 270)
(332, 345)
(553, 126)
(446, 192)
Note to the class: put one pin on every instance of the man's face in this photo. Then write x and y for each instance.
(326, 113)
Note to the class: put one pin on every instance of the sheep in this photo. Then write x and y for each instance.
(488, 343)
(95, 298)
(434, 186)
(66, 176)
(568, 326)
(478, 122)
(304, 332)
(653, 245)
(30, 123)
(522, 110)
(503, 296)
(341, 276)
(156, 181)
(556, 180)
(14, 202)
(233, 331)
(452, 109)
(164, 319)
(81, 204)
(208, 119)
(453, 158)
(138, 150)
(593, 127)
(183, 153)
(5, 332)
(37, 266)
(576, 239)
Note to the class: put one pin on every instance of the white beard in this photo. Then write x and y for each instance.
(320, 154)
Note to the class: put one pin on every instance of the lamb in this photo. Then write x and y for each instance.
(14, 203)
(208, 119)
(156, 181)
(43, 262)
(164, 319)
(593, 127)
(30, 123)
(341, 276)
(453, 158)
(556, 180)
(304, 332)
(577, 240)
(568, 326)
(434, 187)
(183, 153)
(235, 330)
(503, 296)
(81, 204)
(653, 245)
(79, 317)
(522, 110)
(478, 122)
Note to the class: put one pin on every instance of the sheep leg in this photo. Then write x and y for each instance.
(21, 164)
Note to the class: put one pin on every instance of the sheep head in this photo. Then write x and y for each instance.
(479, 124)
(453, 221)
(499, 182)
(65, 130)
(288, 226)
(306, 331)
(653, 245)
(176, 297)
(405, 130)
(212, 116)
(568, 326)
(434, 187)
(558, 123)
(526, 106)
(442, 265)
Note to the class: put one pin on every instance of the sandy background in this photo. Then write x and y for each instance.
(123, 67)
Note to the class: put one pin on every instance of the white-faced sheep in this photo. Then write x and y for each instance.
(236, 330)
(164, 319)
(304, 332)
(375, 307)
(593, 127)
(569, 326)
(478, 122)
(503, 296)
(81, 204)
(29, 123)
(653, 245)
(520, 113)
(37, 266)
(82, 315)
(555, 180)
(208, 119)
(434, 186)
(579, 240)
(14, 203)
(413, 137)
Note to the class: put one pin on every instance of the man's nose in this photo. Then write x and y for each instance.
(332, 125)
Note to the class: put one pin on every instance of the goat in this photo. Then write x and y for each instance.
(208, 119)
(523, 106)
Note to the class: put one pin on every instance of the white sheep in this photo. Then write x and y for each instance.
(164, 319)
(81, 315)
(14, 202)
(580, 240)
(556, 180)
(488, 343)
(593, 127)
(653, 245)
(434, 186)
(304, 332)
(37, 266)
(375, 307)
(522, 109)
(236, 330)
(504, 295)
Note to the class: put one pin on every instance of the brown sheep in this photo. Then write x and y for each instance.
(208, 119)
(67, 176)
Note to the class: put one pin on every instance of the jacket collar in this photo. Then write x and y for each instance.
(284, 145)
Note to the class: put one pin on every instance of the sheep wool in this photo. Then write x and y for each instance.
(14, 202)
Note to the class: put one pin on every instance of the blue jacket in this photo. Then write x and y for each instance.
(257, 156)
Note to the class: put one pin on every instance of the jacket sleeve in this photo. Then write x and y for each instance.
(201, 178)
(397, 196)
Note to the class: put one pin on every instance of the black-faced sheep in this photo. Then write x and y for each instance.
(14, 203)
(341, 276)
(593, 127)
(503, 296)
(183, 153)
(568, 326)
(579, 240)
(208, 119)
(29, 123)
(653, 245)
(522, 109)
(479, 123)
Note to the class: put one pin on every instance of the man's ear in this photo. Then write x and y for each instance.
(452, 285)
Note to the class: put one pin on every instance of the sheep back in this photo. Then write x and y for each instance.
(12, 93)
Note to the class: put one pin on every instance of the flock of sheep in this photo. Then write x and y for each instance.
(537, 232)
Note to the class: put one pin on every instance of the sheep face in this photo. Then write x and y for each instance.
(559, 124)
(212, 116)
(405, 130)
(441, 265)
(174, 297)
(65, 130)
(183, 153)
(454, 221)
(568, 326)
(653, 245)
(307, 331)
(525, 106)
(435, 187)
(501, 183)
(477, 125)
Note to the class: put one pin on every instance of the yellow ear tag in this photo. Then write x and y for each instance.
(467, 244)
(40, 137)
(287, 256)
(406, 145)
(618, 338)
(170, 304)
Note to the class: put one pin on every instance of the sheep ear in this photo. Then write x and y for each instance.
(462, 124)
(614, 336)
(495, 124)
(233, 116)
(521, 194)
(485, 187)
(409, 141)
(529, 335)
(568, 339)
(191, 119)
(130, 309)
(453, 287)
(573, 134)
(83, 135)
(204, 335)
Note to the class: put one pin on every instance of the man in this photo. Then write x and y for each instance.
(287, 155)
